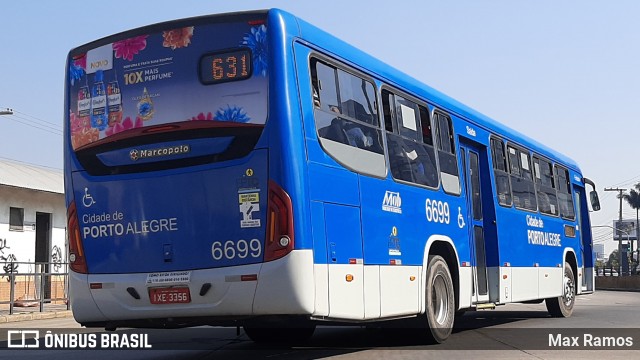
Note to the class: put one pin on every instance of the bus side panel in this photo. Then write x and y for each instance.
(534, 251)
(525, 283)
(394, 223)
(346, 272)
(550, 281)
(320, 254)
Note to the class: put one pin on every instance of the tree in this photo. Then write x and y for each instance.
(613, 260)
(633, 199)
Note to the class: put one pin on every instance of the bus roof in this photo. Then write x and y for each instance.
(151, 28)
(392, 76)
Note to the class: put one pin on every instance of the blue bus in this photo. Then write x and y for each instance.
(249, 169)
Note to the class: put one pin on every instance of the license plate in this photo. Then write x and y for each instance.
(173, 295)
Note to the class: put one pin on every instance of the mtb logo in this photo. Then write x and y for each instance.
(392, 202)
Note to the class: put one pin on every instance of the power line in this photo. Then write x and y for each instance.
(37, 118)
(32, 121)
(628, 181)
(36, 126)
(42, 126)
(28, 163)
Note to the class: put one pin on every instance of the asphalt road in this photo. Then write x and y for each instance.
(515, 331)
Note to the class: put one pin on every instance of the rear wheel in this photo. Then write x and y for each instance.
(279, 334)
(440, 300)
(562, 306)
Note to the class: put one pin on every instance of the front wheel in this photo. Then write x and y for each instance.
(440, 301)
(562, 306)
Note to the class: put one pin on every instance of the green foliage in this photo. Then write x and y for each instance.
(613, 259)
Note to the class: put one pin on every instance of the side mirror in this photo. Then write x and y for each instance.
(593, 195)
(595, 202)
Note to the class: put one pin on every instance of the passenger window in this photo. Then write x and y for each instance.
(411, 153)
(346, 118)
(357, 98)
(545, 186)
(524, 193)
(500, 174)
(446, 153)
(324, 89)
(565, 200)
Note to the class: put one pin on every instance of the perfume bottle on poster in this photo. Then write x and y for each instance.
(99, 102)
(145, 106)
(114, 99)
(84, 102)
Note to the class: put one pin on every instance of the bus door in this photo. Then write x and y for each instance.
(473, 186)
(584, 236)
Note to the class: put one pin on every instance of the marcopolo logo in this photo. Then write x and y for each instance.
(136, 154)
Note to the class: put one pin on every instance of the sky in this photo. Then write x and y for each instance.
(565, 73)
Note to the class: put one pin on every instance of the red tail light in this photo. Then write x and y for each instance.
(77, 260)
(279, 241)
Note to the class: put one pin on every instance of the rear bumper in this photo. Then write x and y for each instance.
(283, 286)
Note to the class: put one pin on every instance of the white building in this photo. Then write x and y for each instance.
(32, 216)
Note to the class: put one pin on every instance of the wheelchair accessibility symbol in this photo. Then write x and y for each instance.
(87, 199)
(461, 223)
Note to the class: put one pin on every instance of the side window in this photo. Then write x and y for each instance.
(325, 88)
(346, 117)
(565, 200)
(500, 174)
(524, 193)
(16, 219)
(411, 154)
(447, 153)
(545, 186)
(357, 98)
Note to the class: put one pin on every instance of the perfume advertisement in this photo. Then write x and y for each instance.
(215, 72)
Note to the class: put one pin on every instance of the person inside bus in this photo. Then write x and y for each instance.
(425, 169)
(422, 165)
(346, 132)
(355, 110)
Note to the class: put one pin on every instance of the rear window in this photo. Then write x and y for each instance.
(202, 72)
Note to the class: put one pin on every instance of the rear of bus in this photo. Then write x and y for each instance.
(173, 215)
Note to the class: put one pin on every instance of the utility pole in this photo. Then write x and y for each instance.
(6, 111)
(619, 235)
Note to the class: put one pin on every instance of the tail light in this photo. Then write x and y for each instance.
(279, 241)
(77, 260)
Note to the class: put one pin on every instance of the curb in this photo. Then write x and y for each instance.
(618, 289)
(35, 316)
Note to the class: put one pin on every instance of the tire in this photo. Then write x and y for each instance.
(280, 335)
(439, 299)
(562, 306)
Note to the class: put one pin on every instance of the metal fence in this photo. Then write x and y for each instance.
(615, 271)
(34, 284)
